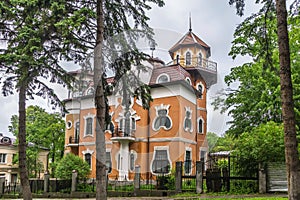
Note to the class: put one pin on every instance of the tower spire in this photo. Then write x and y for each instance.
(190, 23)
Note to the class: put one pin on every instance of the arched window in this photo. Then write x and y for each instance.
(89, 126)
(200, 59)
(188, 80)
(131, 161)
(108, 162)
(200, 125)
(200, 90)
(77, 126)
(177, 59)
(188, 58)
(187, 125)
(90, 91)
(88, 158)
(163, 78)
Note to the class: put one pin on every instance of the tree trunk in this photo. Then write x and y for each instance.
(100, 108)
(290, 140)
(22, 143)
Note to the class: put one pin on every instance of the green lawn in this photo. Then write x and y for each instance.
(247, 198)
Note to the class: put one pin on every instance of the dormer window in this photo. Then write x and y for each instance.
(188, 58)
(188, 80)
(163, 78)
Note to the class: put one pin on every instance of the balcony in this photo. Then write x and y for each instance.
(123, 135)
(73, 141)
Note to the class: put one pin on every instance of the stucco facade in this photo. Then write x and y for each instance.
(173, 129)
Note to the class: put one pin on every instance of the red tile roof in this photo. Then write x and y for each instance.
(189, 39)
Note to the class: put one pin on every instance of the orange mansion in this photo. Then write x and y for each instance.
(173, 129)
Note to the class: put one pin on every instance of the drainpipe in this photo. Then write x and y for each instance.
(148, 146)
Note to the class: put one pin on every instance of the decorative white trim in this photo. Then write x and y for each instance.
(188, 80)
(203, 88)
(188, 109)
(166, 139)
(163, 74)
(173, 91)
(69, 124)
(89, 115)
(135, 157)
(87, 151)
(158, 108)
(168, 156)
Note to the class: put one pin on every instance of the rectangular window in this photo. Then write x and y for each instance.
(89, 126)
(161, 163)
(2, 158)
(187, 162)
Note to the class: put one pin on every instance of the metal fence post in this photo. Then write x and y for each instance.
(178, 177)
(199, 177)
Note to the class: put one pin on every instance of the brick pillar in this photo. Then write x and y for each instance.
(178, 177)
(137, 177)
(262, 179)
(2, 182)
(199, 177)
(46, 182)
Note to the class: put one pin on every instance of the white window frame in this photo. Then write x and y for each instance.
(188, 80)
(156, 148)
(187, 129)
(134, 153)
(191, 157)
(202, 92)
(198, 127)
(158, 108)
(190, 58)
(89, 115)
(88, 151)
(3, 158)
(163, 74)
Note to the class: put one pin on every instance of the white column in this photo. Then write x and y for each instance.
(124, 160)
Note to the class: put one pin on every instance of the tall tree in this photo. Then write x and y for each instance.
(286, 89)
(36, 42)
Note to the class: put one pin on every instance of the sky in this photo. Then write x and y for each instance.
(214, 21)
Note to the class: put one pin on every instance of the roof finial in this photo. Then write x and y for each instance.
(190, 23)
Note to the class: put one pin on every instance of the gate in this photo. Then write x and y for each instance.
(224, 173)
(276, 177)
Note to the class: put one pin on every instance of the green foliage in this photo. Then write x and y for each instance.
(43, 130)
(253, 96)
(69, 163)
(253, 147)
(219, 143)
